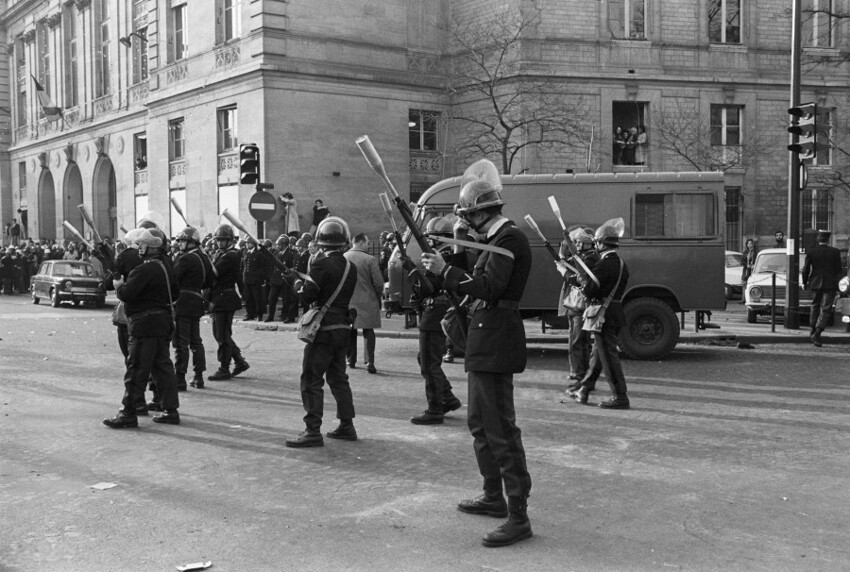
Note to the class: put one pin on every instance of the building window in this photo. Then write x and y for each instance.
(817, 23)
(140, 151)
(422, 127)
(630, 141)
(817, 209)
(227, 133)
(725, 125)
(230, 19)
(627, 19)
(140, 56)
(22, 180)
(228, 198)
(176, 142)
(824, 138)
(70, 24)
(724, 21)
(102, 78)
(44, 58)
(142, 206)
(22, 104)
(734, 211)
(674, 215)
(179, 32)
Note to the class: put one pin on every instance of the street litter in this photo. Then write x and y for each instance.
(195, 566)
(103, 486)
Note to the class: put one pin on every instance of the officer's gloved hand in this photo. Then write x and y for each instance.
(460, 229)
(561, 267)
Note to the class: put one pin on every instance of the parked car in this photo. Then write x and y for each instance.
(68, 281)
(734, 271)
(758, 292)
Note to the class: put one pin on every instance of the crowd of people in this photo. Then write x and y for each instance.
(630, 145)
(18, 263)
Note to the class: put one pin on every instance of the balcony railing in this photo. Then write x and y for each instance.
(228, 168)
(104, 105)
(177, 174)
(137, 94)
(425, 163)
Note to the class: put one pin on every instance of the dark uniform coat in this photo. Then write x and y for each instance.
(606, 271)
(223, 296)
(326, 273)
(147, 298)
(194, 272)
(496, 339)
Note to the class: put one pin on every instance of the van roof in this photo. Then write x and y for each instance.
(645, 177)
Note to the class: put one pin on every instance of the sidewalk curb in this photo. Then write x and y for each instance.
(829, 338)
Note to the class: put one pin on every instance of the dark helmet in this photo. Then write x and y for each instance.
(301, 243)
(282, 240)
(190, 234)
(307, 236)
(610, 232)
(439, 226)
(224, 232)
(333, 232)
(267, 243)
(480, 187)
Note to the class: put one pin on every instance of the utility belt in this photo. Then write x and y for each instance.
(193, 292)
(146, 313)
(440, 300)
(505, 304)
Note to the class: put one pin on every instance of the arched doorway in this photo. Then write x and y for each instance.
(73, 190)
(105, 198)
(46, 206)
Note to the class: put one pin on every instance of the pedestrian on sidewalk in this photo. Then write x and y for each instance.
(495, 350)
(366, 301)
(821, 274)
(332, 282)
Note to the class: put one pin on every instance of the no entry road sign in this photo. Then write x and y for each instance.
(262, 206)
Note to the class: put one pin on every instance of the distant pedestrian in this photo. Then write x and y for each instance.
(821, 274)
(366, 300)
(749, 260)
(779, 237)
(15, 232)
(291, 224)
(320, 213)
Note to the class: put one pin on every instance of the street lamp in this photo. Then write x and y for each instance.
(126, 39)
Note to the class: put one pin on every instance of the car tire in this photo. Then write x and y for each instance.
(75, 303)
(651, 331)
(752, 317)
(54, 298)
(35, 299)
(727, 291)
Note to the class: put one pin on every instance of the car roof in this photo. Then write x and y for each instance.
(772, 251)
(728, 252)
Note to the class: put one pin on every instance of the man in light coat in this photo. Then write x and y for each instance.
(366, 301)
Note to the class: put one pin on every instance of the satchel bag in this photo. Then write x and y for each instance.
(311, 320)
(594, 314)
(119, 316)
(455, 325)
(575, 299)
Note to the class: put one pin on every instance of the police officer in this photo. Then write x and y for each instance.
(224, 301)
(431, 303)
(253, 276)
(325, 357)
(580, 340)
(495, 350)
(279, 285)
(147, 294)
(194, 272)
(610, 276)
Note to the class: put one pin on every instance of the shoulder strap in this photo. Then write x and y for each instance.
(167, 281)
(339, 286)
(611, 295)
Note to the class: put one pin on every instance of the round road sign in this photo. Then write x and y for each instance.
(262, 206)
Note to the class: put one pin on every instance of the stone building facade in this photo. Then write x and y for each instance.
(157, 95)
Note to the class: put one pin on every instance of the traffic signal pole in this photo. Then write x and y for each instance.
(792, 292)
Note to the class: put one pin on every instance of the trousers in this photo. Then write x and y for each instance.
(253, 301)
(438, 389)
(187, 336)
(149, 357)
(496, 438)
(604, 358)
(821, 309)
(324, 361)
(222, 325)
(369, 339)
(579, 344)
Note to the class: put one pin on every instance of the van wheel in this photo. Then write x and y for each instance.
(54, 298)
(35, 299)
(651, 331)
(752, 317)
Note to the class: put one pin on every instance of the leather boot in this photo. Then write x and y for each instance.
(815, 337)
(616, 402)
(581, 395)
(428, 417)
(307, 438)
(487, 504)
(220, 375)
(516, 528)
(181, 382)
(122, 420)
(451, 404)
(240, 367)
(345, 431)
(169, 416)
(198, 381)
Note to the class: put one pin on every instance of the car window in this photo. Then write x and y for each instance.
(775, 262)
(44, 268)
(71, 269)
(734, 260)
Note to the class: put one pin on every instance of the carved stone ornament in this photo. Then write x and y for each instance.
(100, 145)
(10, 48)
(28, 36)
(82, 4)
(119, 144)
(54, 20)
(57, 159)
(69, 153)
(43, 160)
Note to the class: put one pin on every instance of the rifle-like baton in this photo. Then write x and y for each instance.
(572, 247)
(70, 228)
(87, 217)
(234, 220)
(179, 210)
(545, 240)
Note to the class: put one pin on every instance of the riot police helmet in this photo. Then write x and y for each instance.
(333, 232)
(480, 188)
(610, 232)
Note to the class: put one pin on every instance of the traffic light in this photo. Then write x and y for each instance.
(249, 164)
(804, 126)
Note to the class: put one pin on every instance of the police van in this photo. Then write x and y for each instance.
(673, 244)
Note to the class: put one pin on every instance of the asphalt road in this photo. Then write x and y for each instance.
(729, 460)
